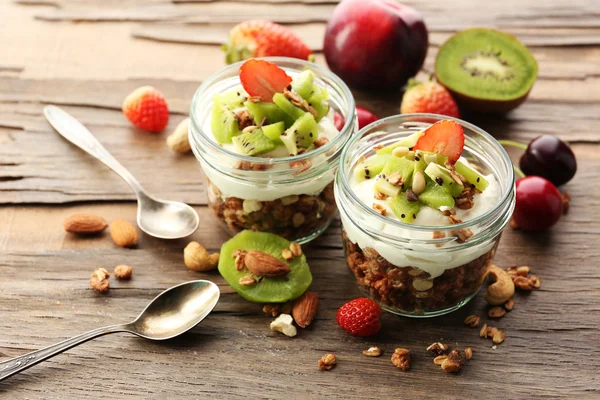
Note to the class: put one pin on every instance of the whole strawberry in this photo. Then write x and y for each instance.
(428, 97)
(147, 109)
(258, 38)
(360, 317)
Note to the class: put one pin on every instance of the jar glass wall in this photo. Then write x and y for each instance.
(289, 196)
(416, 270)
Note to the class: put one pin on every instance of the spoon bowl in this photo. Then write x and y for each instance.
(171, 313)
(166, 219)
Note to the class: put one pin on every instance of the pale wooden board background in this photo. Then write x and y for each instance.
(90, 65)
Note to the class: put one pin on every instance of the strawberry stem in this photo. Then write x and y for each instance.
(510, 143)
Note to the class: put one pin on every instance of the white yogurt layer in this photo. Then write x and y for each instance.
(435, 262)
(230, 187)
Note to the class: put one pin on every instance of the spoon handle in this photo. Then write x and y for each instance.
(18, 364)
(74, 131)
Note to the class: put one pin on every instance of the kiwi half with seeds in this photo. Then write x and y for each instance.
(486, 70)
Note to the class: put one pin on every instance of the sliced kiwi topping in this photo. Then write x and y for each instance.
(253, 143)
(486, 65)
(371, 167)
(224, 123)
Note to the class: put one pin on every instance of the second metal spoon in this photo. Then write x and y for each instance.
(159, 218)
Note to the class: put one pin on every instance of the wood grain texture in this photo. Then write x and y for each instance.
(44, 292)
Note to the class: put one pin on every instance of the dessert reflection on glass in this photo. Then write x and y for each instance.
(423, 201)
(264, 134)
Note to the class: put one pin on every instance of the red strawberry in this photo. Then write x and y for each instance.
(444, 137)
(428, 97)
(258, 38)
(147, 109)
(263, 79)
(360, 317)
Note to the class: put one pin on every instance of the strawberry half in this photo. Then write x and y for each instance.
(263, 79)
(444, 137)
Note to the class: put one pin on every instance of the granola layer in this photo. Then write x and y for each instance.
(293, 217)
(408, 290)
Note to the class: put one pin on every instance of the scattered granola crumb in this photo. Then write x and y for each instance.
(510, 304)
(453, 362)
(439, 359)
(274, 309)
(248, 280)
(438, 348)
(496, 312)
(284, 324)
(99, 280)
(483, 331)
(472, 321)
(523, 271)
(123, 272)
(535, 281)
(372, 352)
(498, 337)
(379, 209)
(401, 359)
(379, 196)
(468, 353)
(395, 179)
(327, 362)
(296, 249)
(320, 142)
(287, 254)
(523, 283)
(240, 256)
(494, 347)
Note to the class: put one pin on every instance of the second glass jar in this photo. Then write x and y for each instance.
(289, 196)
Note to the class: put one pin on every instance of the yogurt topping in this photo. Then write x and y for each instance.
(433, 262)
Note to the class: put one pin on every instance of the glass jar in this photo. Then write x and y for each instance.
(289, 196)
(413, 270)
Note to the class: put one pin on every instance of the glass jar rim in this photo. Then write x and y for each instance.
(332, 144)
(345, 183)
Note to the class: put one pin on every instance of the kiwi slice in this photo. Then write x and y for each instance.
(301, 135)
(287, 107)
(253, 143)
(267, 290)
(371, 167)
(408, 141)
(274, 131)
(224, 123)
(383, 186)
(402, 166)
(405, 210)
(234, 98)
(269, 111)
(441, 176)
(486, 69)
(472, 176)
(303, 84)
(436, 196)
(318, 101)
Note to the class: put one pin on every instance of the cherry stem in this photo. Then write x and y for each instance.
(518, 171)
(511, 143)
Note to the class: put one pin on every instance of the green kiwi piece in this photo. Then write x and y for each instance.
(442, 177)
(267, 290)
(401, 165)
(253, 143)
(383, 186)
(318, 101)
(274, 131)
(224, 123)
(234, 98)
(287, 107)
(436, 196)
(269, 112)
(301, 135)
(405, 210)
(486, 70)
(371, 167)
(303, 84)
(472, 176)
(408, 141)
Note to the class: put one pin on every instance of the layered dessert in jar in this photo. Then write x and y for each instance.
(423, 201)
(265, 136)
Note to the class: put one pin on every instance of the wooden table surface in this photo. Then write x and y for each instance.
(87, 55)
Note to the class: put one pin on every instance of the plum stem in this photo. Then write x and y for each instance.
(511, 143)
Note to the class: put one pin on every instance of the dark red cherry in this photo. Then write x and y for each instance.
(338, 121)
(549, 157)
(365, 117)
(539, 204)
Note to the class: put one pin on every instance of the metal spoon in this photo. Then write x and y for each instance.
(159, 218)
(171, 313)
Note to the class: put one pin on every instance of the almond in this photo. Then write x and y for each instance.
(123, 233)
(85, 223)
(263, 264)
(305, 309)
